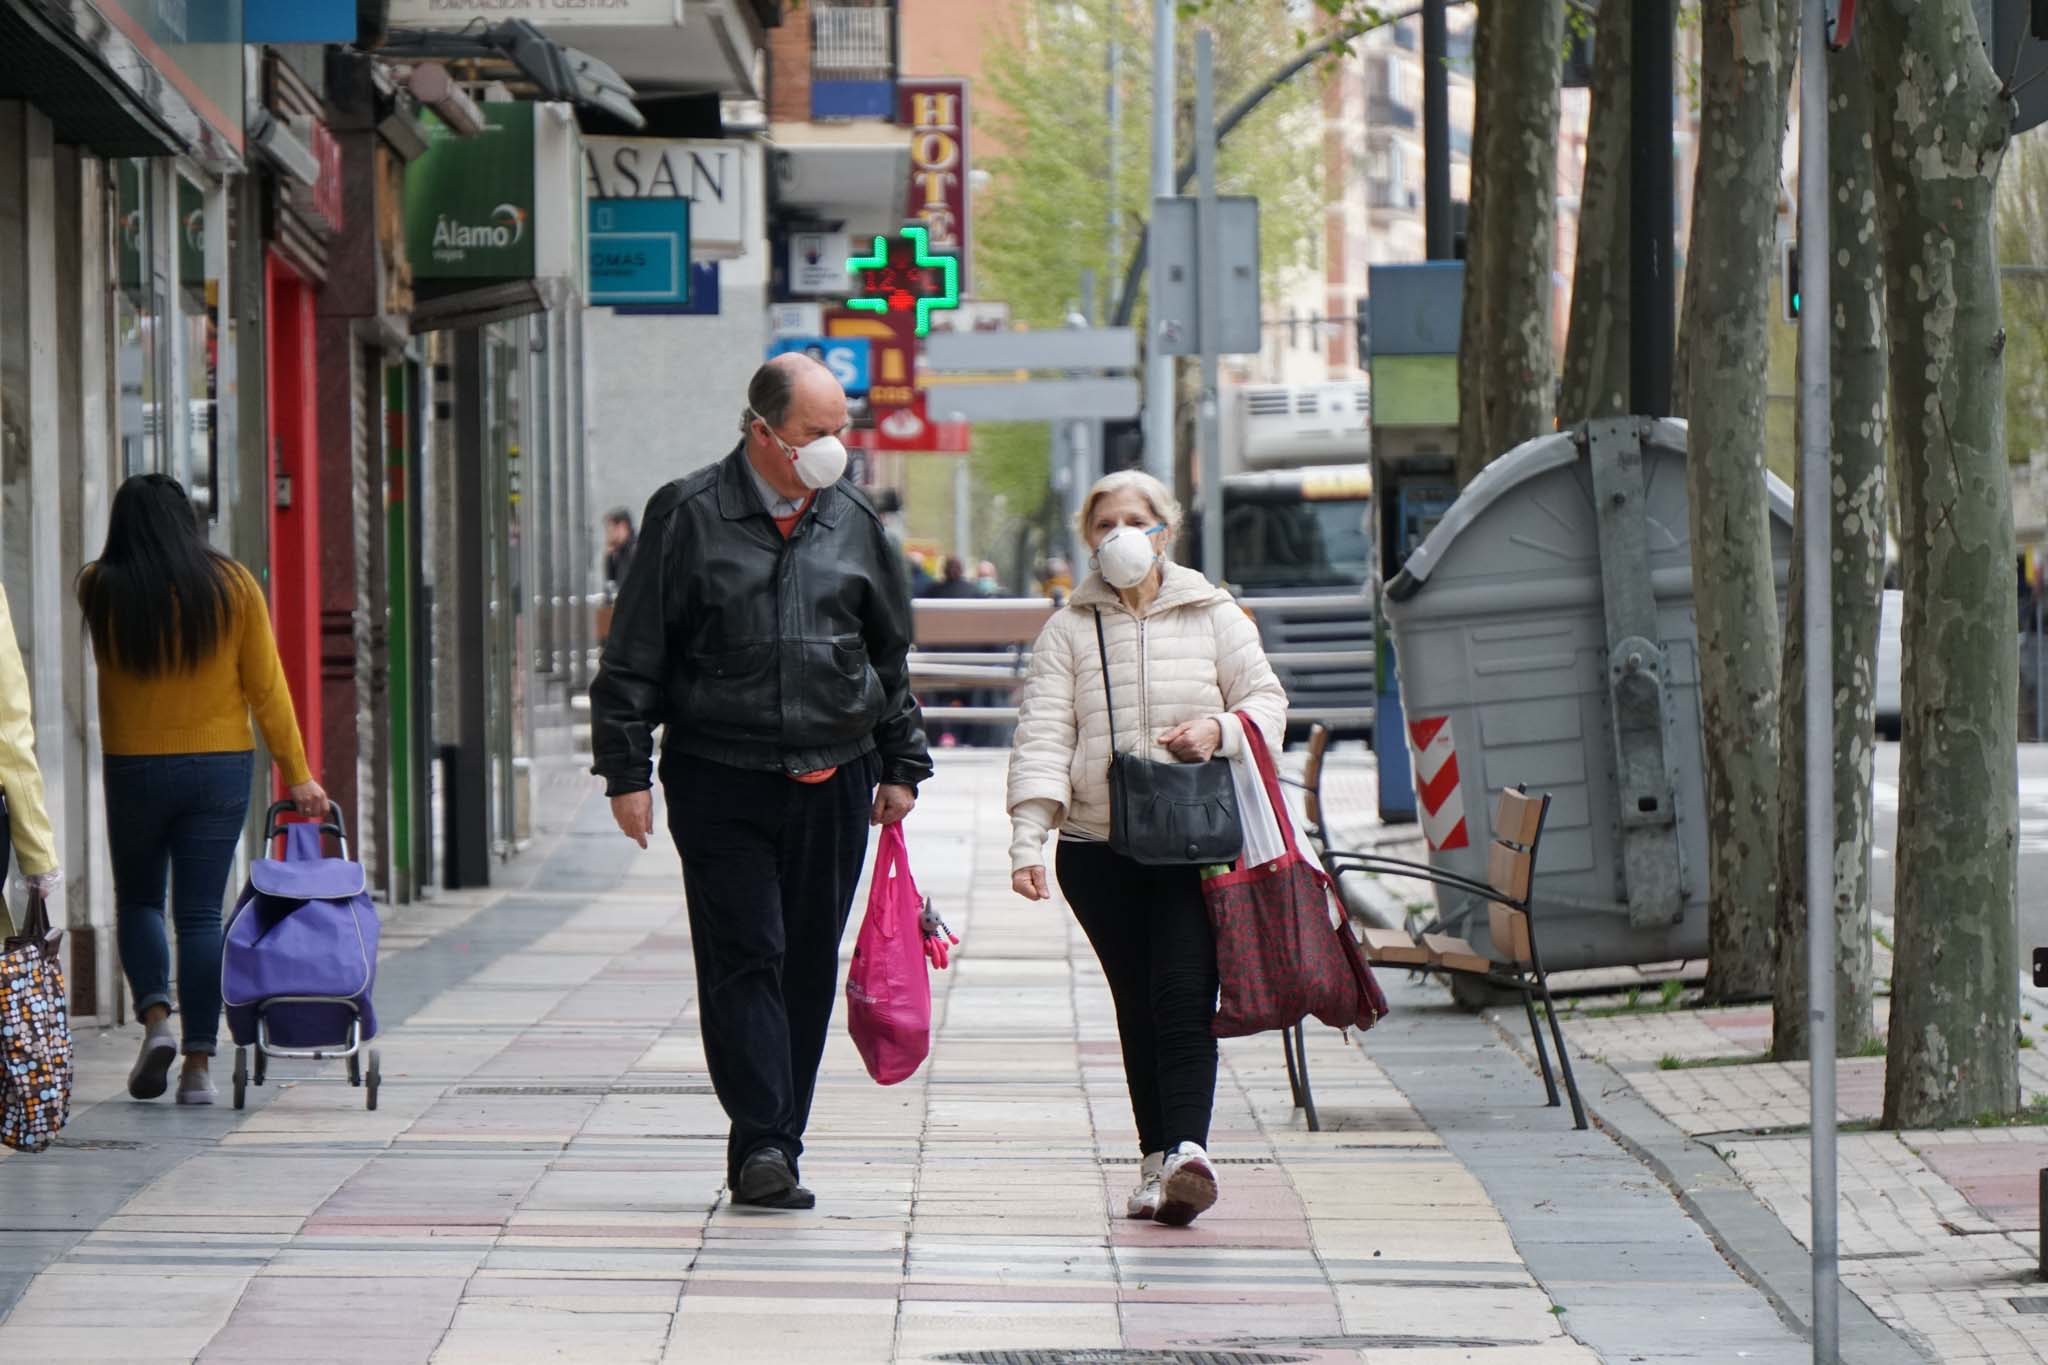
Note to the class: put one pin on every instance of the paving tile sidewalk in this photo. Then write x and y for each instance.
(543, 1179)
(1939, 1231)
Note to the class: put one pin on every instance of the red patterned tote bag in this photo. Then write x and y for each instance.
(35, 1036)
(1279, 955)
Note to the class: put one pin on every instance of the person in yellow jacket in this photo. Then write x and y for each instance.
(182, 636)
(21, 781)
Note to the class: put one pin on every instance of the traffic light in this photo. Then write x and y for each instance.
(1788, 278)
(1123, 444)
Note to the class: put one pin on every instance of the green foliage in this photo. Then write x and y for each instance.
(2022, 228)
(1048, 206)
(1669, 992)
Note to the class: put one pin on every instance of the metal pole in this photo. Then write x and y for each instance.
(1815, 509)
(1209, 294)
(1158, 367)
(1652, 307)
(1436, 129)
(1114, 238)
(963, 512)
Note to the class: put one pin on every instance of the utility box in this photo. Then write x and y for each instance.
(1546, 637)
(1413, 317)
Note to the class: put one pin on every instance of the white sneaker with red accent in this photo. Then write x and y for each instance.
(1187, 1186)
(1144, 1201)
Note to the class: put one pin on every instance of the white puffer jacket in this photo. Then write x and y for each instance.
(1194, 653)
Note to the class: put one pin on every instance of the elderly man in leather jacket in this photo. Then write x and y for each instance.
(764, 625)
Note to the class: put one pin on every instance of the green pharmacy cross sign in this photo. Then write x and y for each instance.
(902, 274)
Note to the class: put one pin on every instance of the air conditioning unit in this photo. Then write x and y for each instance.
(1274, 426)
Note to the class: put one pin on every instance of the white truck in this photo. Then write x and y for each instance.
(1297, 541)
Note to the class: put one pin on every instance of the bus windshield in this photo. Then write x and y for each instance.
(1279, 540)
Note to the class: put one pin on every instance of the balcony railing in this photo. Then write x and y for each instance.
(853, 42)
(1388, 112)
(1384, 194)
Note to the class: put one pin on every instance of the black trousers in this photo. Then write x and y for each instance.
(1151, 933)
(769, 866)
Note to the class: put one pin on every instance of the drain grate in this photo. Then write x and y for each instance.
(99, 1144)
(582, 1090)
(1390, 1341)
(1116, 1355)
(1213, 1161)
(2039, 1306)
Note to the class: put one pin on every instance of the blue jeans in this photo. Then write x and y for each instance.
(179, 814)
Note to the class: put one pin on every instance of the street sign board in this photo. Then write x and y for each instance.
(639, 251)
(846, 357)
(1176, 279)
(1077, 348)
(817, 262)
(1038, 400)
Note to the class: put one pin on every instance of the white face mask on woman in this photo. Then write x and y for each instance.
(1126, 555)
(819, 464)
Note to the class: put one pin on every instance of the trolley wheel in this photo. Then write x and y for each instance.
(371, 1080)
(241, 1077)
(262, 1066)
(355, 1068)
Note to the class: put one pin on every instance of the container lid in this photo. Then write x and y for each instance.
(1530, 460)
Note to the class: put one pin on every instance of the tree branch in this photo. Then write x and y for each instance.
(1127, 298)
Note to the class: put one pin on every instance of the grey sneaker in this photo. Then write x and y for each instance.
(151, 1072)
(196, 1088)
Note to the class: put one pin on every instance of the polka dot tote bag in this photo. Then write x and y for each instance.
(35, 1036)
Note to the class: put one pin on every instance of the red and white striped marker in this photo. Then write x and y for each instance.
(1437, 790)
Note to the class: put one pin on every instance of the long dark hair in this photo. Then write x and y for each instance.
(159, 599)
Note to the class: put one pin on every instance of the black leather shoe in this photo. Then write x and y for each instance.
(766, 1182)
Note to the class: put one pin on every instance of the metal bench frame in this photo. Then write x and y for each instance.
(1526, 979)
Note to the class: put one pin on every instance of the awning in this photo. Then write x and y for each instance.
(92, 80)
(855, 175)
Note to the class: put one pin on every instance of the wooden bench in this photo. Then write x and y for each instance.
(1510, 877)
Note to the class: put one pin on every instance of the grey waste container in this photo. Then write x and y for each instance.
(1545, 635)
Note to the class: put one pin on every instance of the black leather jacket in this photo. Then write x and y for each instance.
(755, 651)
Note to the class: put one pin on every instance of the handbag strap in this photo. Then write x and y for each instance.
(1109, 702)
(1255, 745)
(36, 931)
(892, 859)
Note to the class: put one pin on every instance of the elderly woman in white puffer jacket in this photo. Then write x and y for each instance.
(1183, 657)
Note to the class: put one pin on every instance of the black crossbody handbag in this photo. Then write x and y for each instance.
(1168, 814)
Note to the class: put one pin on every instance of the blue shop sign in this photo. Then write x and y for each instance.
(639, 251)
(846, 357)
(299, 21)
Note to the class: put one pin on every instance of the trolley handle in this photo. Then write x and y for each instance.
(273, 826)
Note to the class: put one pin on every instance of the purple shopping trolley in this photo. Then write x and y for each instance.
(299, 959)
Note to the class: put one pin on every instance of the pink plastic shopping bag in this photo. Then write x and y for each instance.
(888, 995)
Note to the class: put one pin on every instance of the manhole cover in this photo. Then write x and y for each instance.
(1117, 1355)
(582, 1089)
(2029, 1306)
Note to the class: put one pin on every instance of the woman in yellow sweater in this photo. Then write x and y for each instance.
(182, 636)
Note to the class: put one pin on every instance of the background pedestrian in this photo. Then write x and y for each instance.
(182, 637)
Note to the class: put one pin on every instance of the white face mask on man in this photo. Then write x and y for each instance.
(818, 464)
(1127, 554)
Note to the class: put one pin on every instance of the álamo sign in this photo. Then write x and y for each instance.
(469, 202)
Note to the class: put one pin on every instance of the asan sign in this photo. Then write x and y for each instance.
(935, 111)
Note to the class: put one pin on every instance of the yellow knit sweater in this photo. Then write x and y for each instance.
(206, 710)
